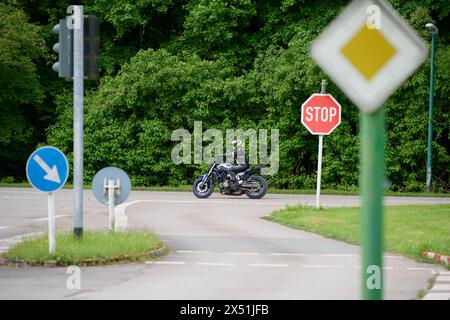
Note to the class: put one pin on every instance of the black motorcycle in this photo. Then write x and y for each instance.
(232, 180)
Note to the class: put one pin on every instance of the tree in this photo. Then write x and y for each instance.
(20, 47)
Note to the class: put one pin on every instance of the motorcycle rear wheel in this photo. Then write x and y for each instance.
(261, 192)
(202, 190)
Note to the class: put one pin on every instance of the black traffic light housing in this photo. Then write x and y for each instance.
(91, 48)
(64, 48)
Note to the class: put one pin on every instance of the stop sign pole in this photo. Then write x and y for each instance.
(319, 156)
(320, 114)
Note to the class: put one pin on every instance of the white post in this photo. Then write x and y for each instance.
(111, 202)
(319, 171)
(51, 223)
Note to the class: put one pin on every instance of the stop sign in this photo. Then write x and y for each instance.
(321, 114)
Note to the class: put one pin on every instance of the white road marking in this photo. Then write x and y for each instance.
(243, 253)
(191, 251)
(18, 198)
(267, 265)
(419, 269)
(290, 254)
(19, 238)
(56, 217)
(337, 255)
(21, 192)
(165, 262)
(216, 264)
(209, 201)
(320, 266)
(4, 227)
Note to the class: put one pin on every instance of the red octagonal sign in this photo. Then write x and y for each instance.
(321, 114)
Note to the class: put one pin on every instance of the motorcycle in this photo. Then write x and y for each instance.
(244, 181)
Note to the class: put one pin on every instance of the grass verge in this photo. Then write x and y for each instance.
(95, 247)
(408, 230)
(188, 188)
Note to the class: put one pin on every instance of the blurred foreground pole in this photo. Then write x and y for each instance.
(371, 185)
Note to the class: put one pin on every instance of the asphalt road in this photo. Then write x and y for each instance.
(220, 249)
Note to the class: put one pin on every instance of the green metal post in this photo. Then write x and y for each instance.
(371, 186)
(430, 114)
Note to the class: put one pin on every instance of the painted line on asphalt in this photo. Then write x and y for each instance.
(267, 265)
(19, 238)
(19, 198)
(243, 253)
(56, 217)
(208, 201)
(21, 192)
(419, 269)
(4, 227)
(337, 255)
(165, 262)
(219, 264)
(290, 254)
(192, 251)
(324, 266)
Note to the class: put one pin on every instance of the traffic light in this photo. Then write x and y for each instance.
(64, 48)
(91, 47)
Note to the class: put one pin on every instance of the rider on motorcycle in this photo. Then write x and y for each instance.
(240, 161)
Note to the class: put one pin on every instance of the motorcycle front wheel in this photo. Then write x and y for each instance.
(202, 189)
(262, 188)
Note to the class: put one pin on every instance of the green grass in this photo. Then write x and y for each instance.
(408, 230)
(93, 245)
(271, 190)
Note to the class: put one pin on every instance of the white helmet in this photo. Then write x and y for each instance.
(237, 143)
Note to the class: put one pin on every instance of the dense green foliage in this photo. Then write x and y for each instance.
(230, 64)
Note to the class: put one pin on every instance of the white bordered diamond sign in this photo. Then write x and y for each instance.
(369, 51)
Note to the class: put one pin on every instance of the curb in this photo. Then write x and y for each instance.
(441, 287)
(152, 253)
(436, 256)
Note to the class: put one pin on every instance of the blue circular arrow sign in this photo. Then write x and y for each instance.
(47, 169)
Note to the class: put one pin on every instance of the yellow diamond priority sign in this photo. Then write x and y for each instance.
(368, 51)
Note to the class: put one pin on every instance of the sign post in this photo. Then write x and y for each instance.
(369, 51)
(78, 88)
(47, 170)
(320, 114)
(372, 186)
(111, 186)
(77, 49)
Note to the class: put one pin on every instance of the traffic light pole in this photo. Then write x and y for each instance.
(78, 89)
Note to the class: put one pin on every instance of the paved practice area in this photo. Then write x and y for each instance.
(220, 249)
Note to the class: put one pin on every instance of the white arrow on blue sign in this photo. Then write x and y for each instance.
(47, 169)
